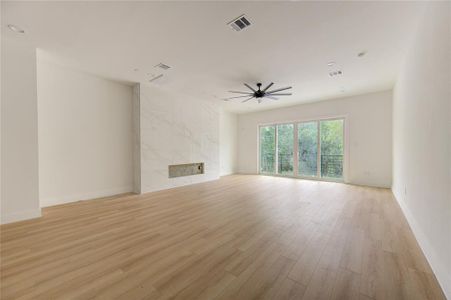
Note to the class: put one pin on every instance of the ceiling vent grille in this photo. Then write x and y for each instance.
(155, 77)
(239, 23)
(335, 73)
(162, 66)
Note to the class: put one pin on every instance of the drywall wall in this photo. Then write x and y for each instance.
(421, 139)
(85, 135)
(19, 131)
(228, 135)
(176, 129)
(368, 129)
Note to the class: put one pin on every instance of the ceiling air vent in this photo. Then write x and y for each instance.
(162, 66)
(239, 23)
(335, 73)
(155, 77)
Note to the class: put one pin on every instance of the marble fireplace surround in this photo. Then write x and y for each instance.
(172, 129)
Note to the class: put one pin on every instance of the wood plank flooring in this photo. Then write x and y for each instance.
(241, 237)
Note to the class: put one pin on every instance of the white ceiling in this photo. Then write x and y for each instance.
(289, 43)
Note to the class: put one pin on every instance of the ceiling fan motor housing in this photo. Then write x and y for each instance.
(259, 93)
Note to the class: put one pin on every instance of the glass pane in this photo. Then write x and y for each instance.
(308, 148)
(331, 148)
(267, 149)
(285, 140)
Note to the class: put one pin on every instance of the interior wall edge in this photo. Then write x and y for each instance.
(440, 272)
(136, 115)
(21, 216)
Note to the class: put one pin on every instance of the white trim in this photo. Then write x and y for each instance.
(21, 216)
(50, 201)
(276, 149)
(437, 266)
(295, 149)
(334, 117)
(227, 173)
(318, 149)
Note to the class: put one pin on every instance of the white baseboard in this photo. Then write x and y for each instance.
(21, 216)
(437, 266)
(50, 201)
(227, 174)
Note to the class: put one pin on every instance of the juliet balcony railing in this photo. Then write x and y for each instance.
(331, 164)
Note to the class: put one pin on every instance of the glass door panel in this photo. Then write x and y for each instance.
(285, 149)
(332, 144)
(267, 149)
(308, 149)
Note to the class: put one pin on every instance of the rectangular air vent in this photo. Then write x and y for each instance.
(162, 66)
(239, 23)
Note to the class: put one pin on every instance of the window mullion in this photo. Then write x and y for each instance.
(318, 142)
(295, 150)
(276, 160)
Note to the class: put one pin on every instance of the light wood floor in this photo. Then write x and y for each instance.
(241, 237)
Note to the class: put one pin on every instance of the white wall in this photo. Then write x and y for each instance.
(369, 126)
(421, 140)
(85, 135)
(228, 137)
(176, 129)
(19, 134)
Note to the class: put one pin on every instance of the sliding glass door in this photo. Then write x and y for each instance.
(267, 149)
(332, 151)
(285, 149)
(307, 149)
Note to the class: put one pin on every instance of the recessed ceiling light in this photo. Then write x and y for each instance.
(361, 54)
(136, 69)
(15, 28)
(331, 63)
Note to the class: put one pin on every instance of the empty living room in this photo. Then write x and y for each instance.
(225, 150)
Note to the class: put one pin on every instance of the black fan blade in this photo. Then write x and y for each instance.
(280, 94)
(271, 97)
(226, 99)
(266, 88)
(236, 92)
(247, 85)
(245, 100)
(278, 90)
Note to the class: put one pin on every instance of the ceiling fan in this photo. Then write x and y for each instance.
(259, 94)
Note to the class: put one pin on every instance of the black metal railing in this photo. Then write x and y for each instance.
(267, 163)
(331, 164)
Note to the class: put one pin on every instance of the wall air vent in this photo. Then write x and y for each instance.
(335, 73)
(239, 23)
(162, 66)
